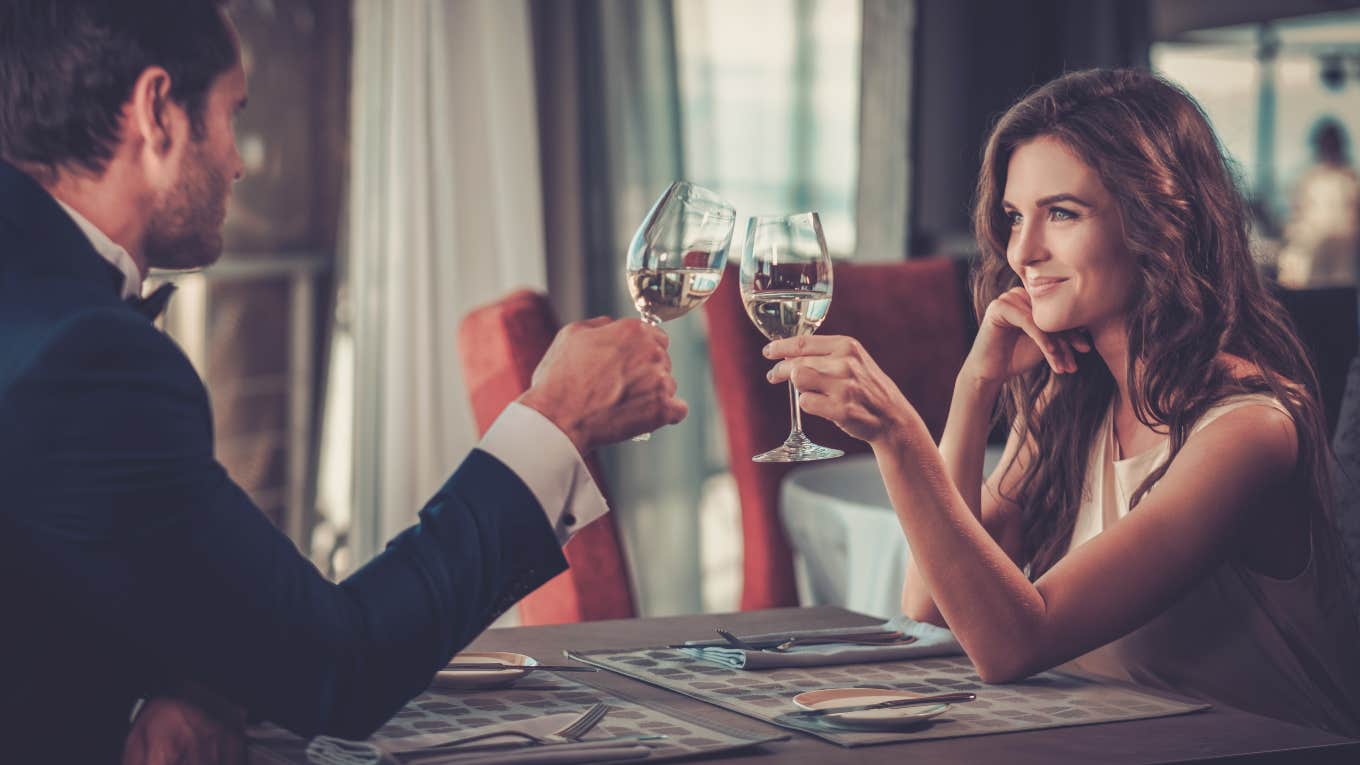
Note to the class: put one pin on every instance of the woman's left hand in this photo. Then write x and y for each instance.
(838, 380)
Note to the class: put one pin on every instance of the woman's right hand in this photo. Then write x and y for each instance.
(1009, 343)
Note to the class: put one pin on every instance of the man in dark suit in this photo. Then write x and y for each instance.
(134, 567)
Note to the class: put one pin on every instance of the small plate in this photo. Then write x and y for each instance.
(901, 717)
(498, 678)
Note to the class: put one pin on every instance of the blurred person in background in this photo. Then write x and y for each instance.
(1322, 237)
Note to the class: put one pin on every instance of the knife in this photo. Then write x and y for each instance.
(886, 636)
(939, 698)
(492, 666)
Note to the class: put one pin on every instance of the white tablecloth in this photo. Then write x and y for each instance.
(848, 547)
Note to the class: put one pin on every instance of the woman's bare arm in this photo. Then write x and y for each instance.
(1012, 628)
(962, 447)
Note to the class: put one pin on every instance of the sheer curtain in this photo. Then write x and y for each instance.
(444, 213)
(610, 124)
(633, 95)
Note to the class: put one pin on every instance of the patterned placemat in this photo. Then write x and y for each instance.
(1047, 700)
(538, 694)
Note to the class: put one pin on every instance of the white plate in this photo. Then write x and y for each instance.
(900, 717)
(499, 678)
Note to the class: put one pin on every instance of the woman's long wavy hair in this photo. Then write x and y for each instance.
(1199, 295)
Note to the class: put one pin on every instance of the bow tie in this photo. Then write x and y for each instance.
(152, 305)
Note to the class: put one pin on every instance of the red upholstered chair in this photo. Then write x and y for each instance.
(914, 318)
(500, 344)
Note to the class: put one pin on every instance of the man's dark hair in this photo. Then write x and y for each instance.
(67, 67)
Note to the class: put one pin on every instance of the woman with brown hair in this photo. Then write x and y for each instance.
(1161, 511)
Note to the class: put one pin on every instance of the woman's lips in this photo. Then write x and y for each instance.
(1041, 287)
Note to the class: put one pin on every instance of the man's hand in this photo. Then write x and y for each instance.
(602, 381)
(187, 729)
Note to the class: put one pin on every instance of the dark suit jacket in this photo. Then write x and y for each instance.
(131, 561)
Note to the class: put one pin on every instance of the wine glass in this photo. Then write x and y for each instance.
(786, 288)
(676, 258)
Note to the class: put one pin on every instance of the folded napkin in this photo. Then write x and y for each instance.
(930, 641)
(538, 726)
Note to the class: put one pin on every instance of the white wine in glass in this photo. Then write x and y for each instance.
(662, 294)
(779, 314)
(676, 258)
(786, 288)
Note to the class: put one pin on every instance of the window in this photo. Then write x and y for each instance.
(770, 106)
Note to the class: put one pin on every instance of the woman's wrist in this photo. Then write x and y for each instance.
(976, 386)
(901, 434)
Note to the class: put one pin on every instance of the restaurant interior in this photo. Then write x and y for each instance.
(433, 187)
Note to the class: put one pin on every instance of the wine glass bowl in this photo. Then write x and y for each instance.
(676, 258)
(786, 288)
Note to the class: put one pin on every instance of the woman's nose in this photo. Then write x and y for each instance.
(1026, 246)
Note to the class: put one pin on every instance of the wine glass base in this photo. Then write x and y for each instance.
(797, 448)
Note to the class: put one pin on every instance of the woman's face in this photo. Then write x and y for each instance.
(1066, 239)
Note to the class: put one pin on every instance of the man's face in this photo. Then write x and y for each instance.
(185, 229)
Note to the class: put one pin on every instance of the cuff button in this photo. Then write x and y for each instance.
(569, 519)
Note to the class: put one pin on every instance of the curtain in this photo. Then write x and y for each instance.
(444, 213)
(610, 127)
(883, 199)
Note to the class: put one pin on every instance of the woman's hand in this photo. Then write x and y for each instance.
(838, 380)
(1009, 343)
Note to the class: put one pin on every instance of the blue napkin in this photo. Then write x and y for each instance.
(930, 641)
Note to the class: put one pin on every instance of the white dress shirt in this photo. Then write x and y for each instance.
(548, 463)
(526, 441)
(109, 250)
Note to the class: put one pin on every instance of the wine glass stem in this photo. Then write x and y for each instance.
(795, 414)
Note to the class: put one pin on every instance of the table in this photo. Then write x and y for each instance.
(1221, 734)
(848, 547)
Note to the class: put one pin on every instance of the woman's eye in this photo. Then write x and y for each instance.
(1058, 213)
(1013, 217)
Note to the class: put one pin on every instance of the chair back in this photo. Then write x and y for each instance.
(914, 319)
(500, 344)
(1346, 476)
(1325, 319)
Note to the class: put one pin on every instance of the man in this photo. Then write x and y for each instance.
(135, 568)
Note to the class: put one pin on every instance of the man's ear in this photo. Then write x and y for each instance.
(158, 125)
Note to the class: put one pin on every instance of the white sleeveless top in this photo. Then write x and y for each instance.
(1270, 646)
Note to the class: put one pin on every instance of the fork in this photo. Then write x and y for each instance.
(328, 750)
(736, 641)
(572, 731)
(583, 724)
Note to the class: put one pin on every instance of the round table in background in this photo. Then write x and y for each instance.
(848, 548)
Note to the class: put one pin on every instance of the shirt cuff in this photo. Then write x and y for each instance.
(549, 464)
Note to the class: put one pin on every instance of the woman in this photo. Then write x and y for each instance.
(1159, 514)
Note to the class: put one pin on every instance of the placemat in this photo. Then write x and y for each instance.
(1048, 700)
(538, 694)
